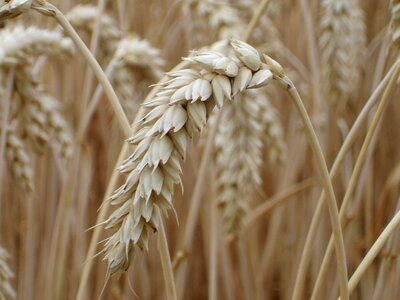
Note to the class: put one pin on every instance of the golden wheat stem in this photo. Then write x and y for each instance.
(277, 200)
(256, 18)
(195, 202)
(373, 252)
(108, 89)
(166, 260)
(94, 102)
(94, 43)
(213, 246)
(312, 54)
(306, 255)
(356, 173)
(327, 184)
(4, 125)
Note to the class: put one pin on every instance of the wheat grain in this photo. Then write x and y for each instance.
(18, 160)
(6, 290)
(395, 21)
(38, 116)
(342, 47)
(177, 113)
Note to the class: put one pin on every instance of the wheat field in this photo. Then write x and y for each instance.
(199, 149)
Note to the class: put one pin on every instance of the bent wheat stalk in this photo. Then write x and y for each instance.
(306, 255)
(356, 173)
(327, 184)
(54, 12)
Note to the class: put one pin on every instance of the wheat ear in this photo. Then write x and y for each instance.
(20, 44)
(39, 116)
(178, 112)
(244, 125)
(342, 43)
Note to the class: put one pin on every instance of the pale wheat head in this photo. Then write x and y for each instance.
(176, 114)
(246, 124)
(395, 21)
(20, 44)
(342, 43)
(39, 118)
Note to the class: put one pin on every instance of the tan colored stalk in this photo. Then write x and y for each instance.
(112, 97)
(166, 260)
(327, 184)
(277, 200)
(389, 253)
(373, 252)
(108, 89)
(312, 53)
(356, 173)
(262, 7)
(94, 45)
(213, 245)
(6, 108)
(306, 255)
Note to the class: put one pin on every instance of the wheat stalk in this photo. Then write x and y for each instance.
(83, 17)
(6, 290)
(356, 173)
(342, 43)
(345, 148)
